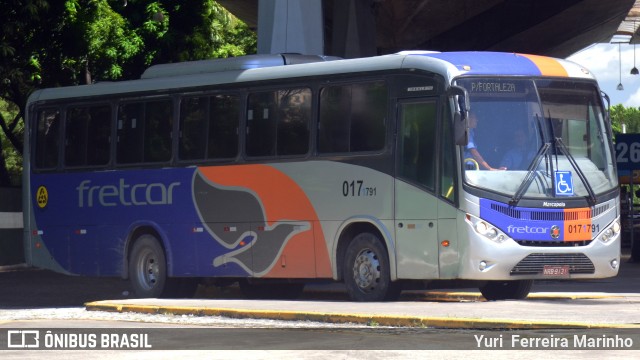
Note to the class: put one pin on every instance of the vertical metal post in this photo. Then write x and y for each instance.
(633, 224)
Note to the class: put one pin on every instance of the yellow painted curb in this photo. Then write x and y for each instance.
(447, 296)
(338, 318)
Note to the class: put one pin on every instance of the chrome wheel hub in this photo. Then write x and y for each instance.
(366, 270)
(148, 270)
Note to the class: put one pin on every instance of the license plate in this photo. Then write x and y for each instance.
(555, 270)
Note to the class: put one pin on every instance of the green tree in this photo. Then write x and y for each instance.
(630, 117)
(59, 43)
(10, 173)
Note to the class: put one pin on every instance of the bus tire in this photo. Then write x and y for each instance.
(506, 290)
(147, 267)
(367, 273)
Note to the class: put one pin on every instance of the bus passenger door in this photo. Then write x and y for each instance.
(416, 206)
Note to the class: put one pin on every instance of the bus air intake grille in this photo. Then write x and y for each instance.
(535, 263)
(561, 216)
(569, 214)
(553, 243)
(600, 209)
(509, 211)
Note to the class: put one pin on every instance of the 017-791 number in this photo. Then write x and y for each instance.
(357, 188)
(583, 228)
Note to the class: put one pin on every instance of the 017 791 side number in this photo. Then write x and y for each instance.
(357, 188)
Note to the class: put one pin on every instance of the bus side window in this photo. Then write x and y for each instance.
(193, 128)
(448, 158)
(157, 131)
(47, 139)
(87, 136)
(223, 127)
(335, 105)
(209, 127)
(278, 122)
(144, 132)
(294, 116)
(368, 113)
(352, 117)
(261, 124)
(417, 143)
(130, 135)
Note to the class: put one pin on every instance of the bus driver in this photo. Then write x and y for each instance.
(471, 154)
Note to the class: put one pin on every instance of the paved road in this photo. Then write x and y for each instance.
(603, 303)
(613, 302)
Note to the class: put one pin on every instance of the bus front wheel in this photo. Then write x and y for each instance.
(148, 272)
(147, 267)
(506, 290)
(367, 271)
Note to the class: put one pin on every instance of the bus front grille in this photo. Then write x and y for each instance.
(553, 243)
(535, 263)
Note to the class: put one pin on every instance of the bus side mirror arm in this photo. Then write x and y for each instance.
(461, 115)
(606, 97)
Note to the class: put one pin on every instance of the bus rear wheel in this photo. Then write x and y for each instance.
(367, 274)
(148, 272)
(506, 290)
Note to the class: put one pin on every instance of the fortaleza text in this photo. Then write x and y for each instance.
(517, 341)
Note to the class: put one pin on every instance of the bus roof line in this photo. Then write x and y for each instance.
(228, 64)
(178, 75)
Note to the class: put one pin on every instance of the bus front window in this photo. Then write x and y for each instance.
(524, 131)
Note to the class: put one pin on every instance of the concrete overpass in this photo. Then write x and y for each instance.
(356, 28)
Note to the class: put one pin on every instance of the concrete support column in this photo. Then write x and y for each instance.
(354, 28)
(290, 26)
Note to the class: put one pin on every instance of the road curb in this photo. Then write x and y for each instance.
(340, 318)
(456, 296)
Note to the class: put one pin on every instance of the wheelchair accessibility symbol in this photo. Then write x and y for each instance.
(564, 183)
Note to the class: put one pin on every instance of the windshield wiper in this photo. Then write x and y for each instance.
(531, 174)
(592, 196)
(558, 144)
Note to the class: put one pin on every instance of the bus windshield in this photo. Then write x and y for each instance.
(537, 138)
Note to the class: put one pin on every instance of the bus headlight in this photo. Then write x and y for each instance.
(610, 232)
(486, 229)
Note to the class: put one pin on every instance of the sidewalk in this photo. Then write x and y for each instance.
(603, 303)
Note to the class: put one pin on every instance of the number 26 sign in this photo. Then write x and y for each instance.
(628, 151)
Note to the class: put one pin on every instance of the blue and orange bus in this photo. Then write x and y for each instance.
(417, 169)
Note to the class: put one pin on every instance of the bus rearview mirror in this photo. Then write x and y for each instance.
(460, 129)
(460, 122)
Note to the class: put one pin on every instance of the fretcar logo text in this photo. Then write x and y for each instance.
(125, 194)
(527, 230)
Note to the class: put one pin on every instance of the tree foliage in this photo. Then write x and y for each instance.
(70, 42)
(629, 116)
